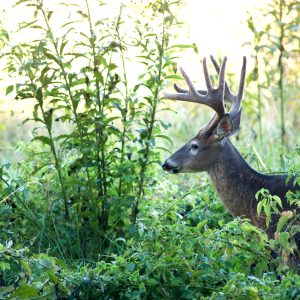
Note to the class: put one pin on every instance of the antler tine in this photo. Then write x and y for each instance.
(242, 80)
(206, 75)
(229, 96)
(181, 90)
(214, 98)
(227, 89)
(222, 75)
(192, 95)
(209, 97)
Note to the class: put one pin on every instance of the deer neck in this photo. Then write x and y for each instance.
(236, 182)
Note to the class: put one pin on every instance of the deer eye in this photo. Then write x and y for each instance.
(195, 146)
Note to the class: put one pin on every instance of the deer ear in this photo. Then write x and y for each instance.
(225, 127)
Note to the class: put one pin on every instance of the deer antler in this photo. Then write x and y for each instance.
(235, 100)
(214, 98)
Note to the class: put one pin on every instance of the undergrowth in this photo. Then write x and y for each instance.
(87, 213)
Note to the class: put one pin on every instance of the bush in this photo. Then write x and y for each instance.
(91, 180)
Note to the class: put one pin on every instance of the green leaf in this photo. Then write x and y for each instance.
(52, 276)
(9, 89)
(45, 263)
(38, 168)
(43, 73)
(43, 139)
(49, 15)
(174, 77)
(259, 207)
(295, 229)
(201, 225)
(39, 95)
(80, 12)
(48, 118)
(182, 46)
(278, 200)
(267, 209)
(257, 195)
(109, 120)
(52, 57)
(282, 221)
(99, 77)
(131, 267)
(26, 267)
(24, 292)
(250, 24)
(284, 240)
(4, 266)
(21, 1)
(149, 265)
(112, 66)
(62, 46)
(26, 25)
(164, 137)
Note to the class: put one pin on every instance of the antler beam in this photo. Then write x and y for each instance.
(229, 96)
(214, 98)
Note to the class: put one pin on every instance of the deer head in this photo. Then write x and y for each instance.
(201, 152)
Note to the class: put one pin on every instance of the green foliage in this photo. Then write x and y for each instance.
(85, 215)
(103, 167)
(269, 203)
(158, 263)
(286, 221)
(275, 47)
(27, 276)
(163, 261)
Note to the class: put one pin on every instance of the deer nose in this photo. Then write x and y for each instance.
(165, 166)
(168, 166)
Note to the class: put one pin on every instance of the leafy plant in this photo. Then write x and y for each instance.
(286, 221)
(269, 203)
(274, 42)
(103, 167)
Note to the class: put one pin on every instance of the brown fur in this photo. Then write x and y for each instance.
(237, 183)
(211, 150)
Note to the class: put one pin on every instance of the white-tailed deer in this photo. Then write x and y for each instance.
(211, 150)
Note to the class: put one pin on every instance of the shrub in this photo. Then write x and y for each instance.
(91, 179)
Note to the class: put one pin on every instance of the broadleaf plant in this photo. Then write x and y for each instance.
(103, 166)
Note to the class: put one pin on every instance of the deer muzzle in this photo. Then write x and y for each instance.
(170, 166)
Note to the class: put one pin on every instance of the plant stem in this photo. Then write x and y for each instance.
(125, 113)
(58, 167)
(100, 152)
(105, 204)
(144, 163)
(281, 74)
(258, 87)
(52, 146)
(73, 101)
(101, 183)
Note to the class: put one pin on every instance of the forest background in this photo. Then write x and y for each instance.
(86, 211)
